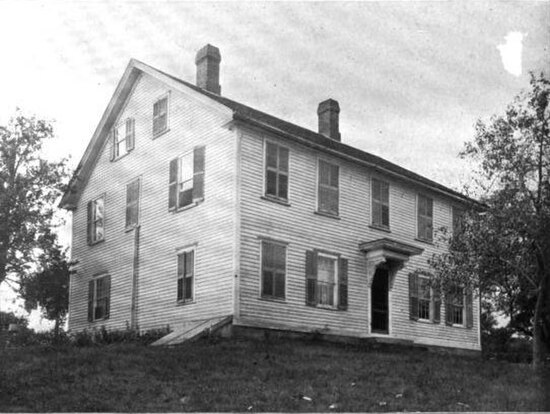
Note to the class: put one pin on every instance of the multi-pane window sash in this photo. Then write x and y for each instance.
(186, 179)
(123, 138)
(132, 203)
(380, 203)
(99, 293)
(425, 218)
(160, 116)
(455, 306)
(458, 215)
(186, 274)
(326, 280)
(273, 270)
(276, 174)
(96, 224)
(328, 188)
(424, 300)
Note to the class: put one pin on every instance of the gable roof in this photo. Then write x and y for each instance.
(242, 114)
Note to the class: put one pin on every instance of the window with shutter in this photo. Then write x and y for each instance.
(96, 220)
(457, 219)
(380, 203)
(425, 218)
(328, 193)
(273, 270)
(326, 280)
(123, 138)
(99, 297)
(186, 179)
(424, 299)
(454, 306)
(132, 203)
(276, 171)
(160, 116)
(186, 276)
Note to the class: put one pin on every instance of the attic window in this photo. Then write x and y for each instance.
(123, 138)
(160, 116)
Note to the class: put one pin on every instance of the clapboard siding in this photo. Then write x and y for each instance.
(209, 225)
(303, 230)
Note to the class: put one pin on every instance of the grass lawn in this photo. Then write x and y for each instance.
(232, 375)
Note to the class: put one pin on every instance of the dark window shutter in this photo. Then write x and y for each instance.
(113, 138)
(311, 277)
(180, 275)
(90, 221)
(343, 284)
(130, 134)
(469, 309)
(198, 173)
(107, 288)
(449, 309)
(173, 184)
(437, 305)
(90, 301)
(413, 297)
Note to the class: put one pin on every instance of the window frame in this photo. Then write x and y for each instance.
(273, 297)
(278, 172)
(166, 128)
(197, 150)
(182, 252)
(129, 126)
(452, 305)
(136, 202)
(430, 300)
(105, 278)
(336, 283)
(320, 185)
(457, 214)
(421, 217)
(93, 220)
(382, 204)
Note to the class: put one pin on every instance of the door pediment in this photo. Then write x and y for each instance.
(389, 254)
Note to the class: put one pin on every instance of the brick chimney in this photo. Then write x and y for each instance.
(208, 68)
(328, 112)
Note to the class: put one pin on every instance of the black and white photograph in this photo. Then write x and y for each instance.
(274, 206)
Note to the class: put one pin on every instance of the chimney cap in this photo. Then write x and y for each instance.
(208, 51)
(328, 105)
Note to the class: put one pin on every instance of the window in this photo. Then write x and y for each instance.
(459, 307)
(96, 220)
(186, 179)
(425, 218)
(328, 188)
(380, 203)
(186, 275)
(99, 293)
(132, 203)
(160, 116)
(273, 270)
(276, 171)
(123, 138)
(424, 300)
(458, 215)
(326, 280)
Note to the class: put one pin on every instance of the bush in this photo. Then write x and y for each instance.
(97, 337)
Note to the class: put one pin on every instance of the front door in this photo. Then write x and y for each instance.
(379, 302)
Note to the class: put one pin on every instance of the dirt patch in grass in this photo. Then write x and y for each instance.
(280, 375)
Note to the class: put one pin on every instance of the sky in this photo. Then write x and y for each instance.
(411, 78)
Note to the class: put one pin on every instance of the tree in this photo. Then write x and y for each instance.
(48, 287)
(29, 186)
(504, 250)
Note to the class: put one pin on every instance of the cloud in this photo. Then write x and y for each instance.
(510, 52)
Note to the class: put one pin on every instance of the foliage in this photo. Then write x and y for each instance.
(7, 318)
(29, 186)
(48, 287)
(505, 249)
(240, 376)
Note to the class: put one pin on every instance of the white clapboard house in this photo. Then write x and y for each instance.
(189, 207)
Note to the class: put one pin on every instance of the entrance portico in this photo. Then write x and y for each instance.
(384, 257)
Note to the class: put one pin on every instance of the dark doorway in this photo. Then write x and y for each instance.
(379, 302)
